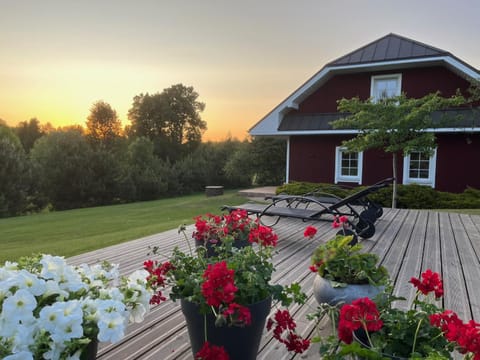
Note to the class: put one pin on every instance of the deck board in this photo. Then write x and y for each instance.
(406, 241)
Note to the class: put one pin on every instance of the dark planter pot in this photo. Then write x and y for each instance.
(211, 246)
(324, 292)
(360, 337)
(90, 352)
(241, 343)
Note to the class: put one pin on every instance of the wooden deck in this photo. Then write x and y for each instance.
(407, 241)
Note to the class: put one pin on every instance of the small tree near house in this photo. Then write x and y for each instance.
(395, 124)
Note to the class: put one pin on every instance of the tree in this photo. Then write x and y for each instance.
(63, 165)
(28, 132)
(170, 119)
(261, 160)
(14, 174)
(146, 170)
(103, 125)
(396, 124)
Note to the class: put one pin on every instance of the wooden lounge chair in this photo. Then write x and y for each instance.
(360, 211)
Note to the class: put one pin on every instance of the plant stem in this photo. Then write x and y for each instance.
(416, 334)
(205, 326)
(368, 335)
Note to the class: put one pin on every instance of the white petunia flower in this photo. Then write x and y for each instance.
(137, 314)
(23, 355)
(51, 287)
(19, 307)
(139, 276)
(111, 327)
(30, 282)
(24, 337)
(52, 266)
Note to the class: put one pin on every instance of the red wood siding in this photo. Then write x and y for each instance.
(458, 162)
(416, 83)
(312, 158)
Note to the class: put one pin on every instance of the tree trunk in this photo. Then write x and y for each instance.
(394, 168)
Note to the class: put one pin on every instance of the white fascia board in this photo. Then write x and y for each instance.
(462, 68)
(269, 124)
(308, 132)
(458, 130)
(354, 132)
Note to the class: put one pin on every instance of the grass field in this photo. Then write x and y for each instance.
(73, 232)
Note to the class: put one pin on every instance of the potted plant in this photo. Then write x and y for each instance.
(52, 310)
(211, 229)
(376, 330)
(344, 273)
(228, 295)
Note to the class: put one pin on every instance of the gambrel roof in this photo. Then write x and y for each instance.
(389, 52)
(391, 47)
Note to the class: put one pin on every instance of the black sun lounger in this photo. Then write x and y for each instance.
(360, 211)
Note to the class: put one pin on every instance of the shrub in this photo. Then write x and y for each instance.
(408, 196)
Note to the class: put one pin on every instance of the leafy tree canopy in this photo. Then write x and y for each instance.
(396, 124)
(28, 132)
(170, 119)
(103, 125)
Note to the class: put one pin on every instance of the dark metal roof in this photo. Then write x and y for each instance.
(457, 118)
(391, 47)
(296, 121)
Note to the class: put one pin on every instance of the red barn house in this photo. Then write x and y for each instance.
(389, 65)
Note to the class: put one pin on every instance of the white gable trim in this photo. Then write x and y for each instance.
(269, 124)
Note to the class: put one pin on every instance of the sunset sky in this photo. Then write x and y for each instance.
(57, 57)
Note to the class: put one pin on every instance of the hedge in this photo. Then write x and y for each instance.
(408, 196)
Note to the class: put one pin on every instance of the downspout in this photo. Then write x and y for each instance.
(287, 163)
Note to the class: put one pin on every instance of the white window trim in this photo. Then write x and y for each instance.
(374, 78)
(338, 167)
(432, 168)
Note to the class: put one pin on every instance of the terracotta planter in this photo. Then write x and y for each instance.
(324, 292)
(241, 343)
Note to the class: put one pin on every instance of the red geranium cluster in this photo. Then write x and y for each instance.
(219, 290)
(237, 221)
(284, 332)
(362, 313)
(263, 235)
(465, 335)
(211, 352)
(157, 278)
(430, 282)
(211, 228)
(208, 227)
(218, 286)
(339, 221)
(310, 231)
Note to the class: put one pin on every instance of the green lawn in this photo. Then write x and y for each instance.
(73, 232)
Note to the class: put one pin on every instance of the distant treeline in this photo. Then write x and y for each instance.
(160, 155)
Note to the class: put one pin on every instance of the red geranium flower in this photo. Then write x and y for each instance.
(431, 282)
(362, 313)
(310, 232)
(263, 235)
(157, 278)
(218, 286)
(339, 221)
(211, 352)
(242, 313)
(284, 322)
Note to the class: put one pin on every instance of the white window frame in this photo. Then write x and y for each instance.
(432, 168)
(375, 78)
(338, 167)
